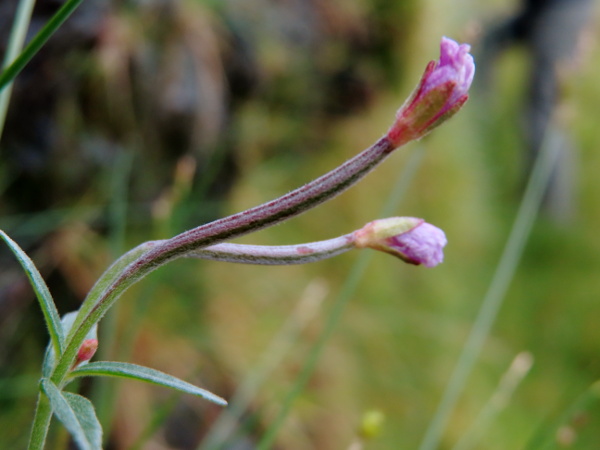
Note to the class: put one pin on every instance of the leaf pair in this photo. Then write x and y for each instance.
(77, 413)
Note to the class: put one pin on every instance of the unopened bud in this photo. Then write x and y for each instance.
(411, 239)
(442, 91)
(86, 351)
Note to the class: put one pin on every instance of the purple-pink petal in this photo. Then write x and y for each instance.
(455, 64)
(422, 245)
(442, 91)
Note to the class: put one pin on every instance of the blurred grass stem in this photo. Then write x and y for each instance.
(15, 44)
(38, 42)
(280, 346)
(347, 291)
(532, 199)
(548, 435)
(518, 370)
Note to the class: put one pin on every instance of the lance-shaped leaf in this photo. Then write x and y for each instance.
(77, 414)
(42, 293)
(127, 370)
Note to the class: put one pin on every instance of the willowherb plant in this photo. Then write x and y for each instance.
(442, 91)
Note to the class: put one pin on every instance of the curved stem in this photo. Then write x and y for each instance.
(267, 214)
(276, 255)
(332, 318)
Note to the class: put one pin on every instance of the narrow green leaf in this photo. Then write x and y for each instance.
(15, 43)
(127, 370)
(42, 293)
(38, 41)
(77, 415)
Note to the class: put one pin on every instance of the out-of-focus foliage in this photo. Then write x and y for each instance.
(144, 118)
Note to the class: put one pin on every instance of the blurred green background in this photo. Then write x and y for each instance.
(141, 119)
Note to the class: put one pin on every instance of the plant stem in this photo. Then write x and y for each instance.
(41, 423)
(267, 214)
(276, 255)
(348, 289)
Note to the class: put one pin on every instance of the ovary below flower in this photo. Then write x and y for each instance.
(411, 239)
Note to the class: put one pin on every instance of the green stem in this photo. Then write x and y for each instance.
(496, 292)
(41, 423)
(15, 44)
(38, 42)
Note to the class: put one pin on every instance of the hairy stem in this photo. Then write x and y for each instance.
(262, 216)
(276, 255)
(41, 423)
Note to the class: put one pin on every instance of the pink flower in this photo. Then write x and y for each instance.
(442, 91)
(411, 239)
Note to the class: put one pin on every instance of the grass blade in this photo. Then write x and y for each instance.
(133, 371)
(15, 44)
(495, 294)
(38, 42)
(515, 374)
(547, 436)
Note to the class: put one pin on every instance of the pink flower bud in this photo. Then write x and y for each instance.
(442, 91)
(86, 351)
(411, 239)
